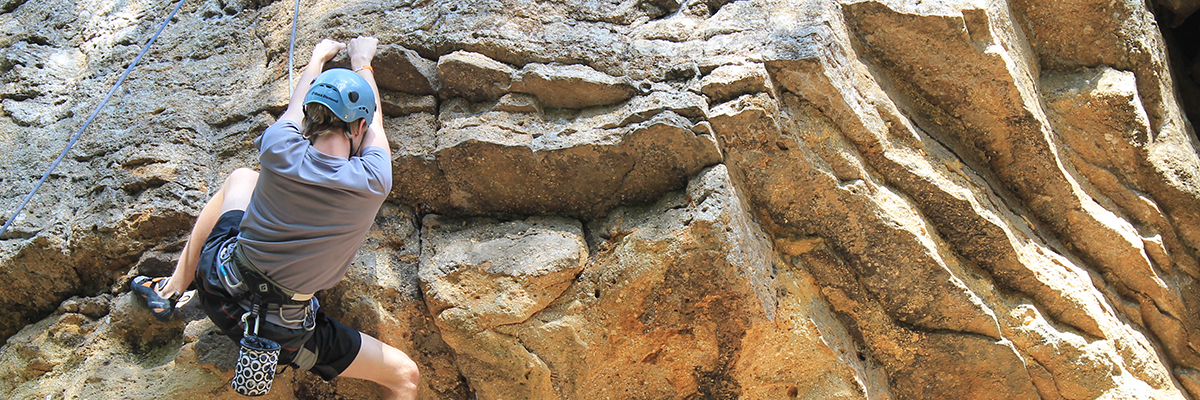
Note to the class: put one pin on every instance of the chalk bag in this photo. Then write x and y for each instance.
(256, 366)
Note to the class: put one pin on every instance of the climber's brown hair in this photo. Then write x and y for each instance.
(319, 119)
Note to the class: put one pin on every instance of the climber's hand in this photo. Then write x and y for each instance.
(362, 51)
(325, 51)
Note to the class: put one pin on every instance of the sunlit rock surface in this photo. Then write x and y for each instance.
(854, 199)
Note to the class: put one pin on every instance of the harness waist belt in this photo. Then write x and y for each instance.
(244, 264)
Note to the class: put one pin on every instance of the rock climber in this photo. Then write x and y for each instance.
(277, 236)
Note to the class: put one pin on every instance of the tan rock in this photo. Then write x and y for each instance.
(400, 104)
(403, 70)
(1099, 34)
(479, 276)
(519, 103)
(1100, 118)
(864, 117)
(485, 161)
(381, 296)
(38, 274)
(686, 297)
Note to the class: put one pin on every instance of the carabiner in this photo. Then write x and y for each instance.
(246, 324)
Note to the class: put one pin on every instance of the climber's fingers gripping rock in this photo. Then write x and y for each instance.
(326, 50)
(362, 51)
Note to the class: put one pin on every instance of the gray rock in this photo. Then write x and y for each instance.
(216, 349)
(731, 81)
(156, 263)
(133, 322)
(571, 86)
(472, 76)
(403, 70)
(397, 104)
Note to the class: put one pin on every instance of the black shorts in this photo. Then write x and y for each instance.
(334, 344)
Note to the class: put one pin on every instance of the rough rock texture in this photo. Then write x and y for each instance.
(757, 199)
(480, 276)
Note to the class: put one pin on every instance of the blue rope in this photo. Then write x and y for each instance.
(89, 120)
(292, 48)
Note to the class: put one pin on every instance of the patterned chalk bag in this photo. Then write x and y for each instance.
(256, 366)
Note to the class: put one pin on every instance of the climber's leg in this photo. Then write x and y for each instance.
(389, 367)
(234, 195)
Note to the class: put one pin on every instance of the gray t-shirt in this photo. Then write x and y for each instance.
(310, 211)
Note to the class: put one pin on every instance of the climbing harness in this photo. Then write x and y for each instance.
(255, 298)
(241, 275)
(90, 118)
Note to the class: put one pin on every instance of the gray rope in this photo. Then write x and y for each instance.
(89, 120)
(292, 48)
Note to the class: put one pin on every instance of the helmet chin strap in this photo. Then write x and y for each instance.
(360, 143)
(351, 148)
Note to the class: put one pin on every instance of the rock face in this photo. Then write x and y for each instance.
(760, 199)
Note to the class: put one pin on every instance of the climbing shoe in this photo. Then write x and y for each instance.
(146, 288)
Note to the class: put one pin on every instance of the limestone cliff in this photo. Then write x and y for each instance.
(760, 199)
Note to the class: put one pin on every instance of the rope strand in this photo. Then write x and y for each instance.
(90, 119)
(292, 48)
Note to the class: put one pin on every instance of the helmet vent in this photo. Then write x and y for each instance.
(353, 96)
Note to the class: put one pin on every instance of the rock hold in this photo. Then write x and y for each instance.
(477, 78)
(571, 86)
(484, 160)
(398, 69)
(730, 81)
(473, 77)
(402, 70)
(397, 104)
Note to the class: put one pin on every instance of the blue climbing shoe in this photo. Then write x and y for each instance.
(145, 287)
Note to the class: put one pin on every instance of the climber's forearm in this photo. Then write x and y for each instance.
(322, 53)
(362, 52)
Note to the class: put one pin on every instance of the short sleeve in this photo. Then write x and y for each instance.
(379, 168)
(282, 130)
(281, 146)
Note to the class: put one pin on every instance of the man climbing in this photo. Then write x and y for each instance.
(274, 238)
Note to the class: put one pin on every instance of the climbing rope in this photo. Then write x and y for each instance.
(292, 48)
(89, 120)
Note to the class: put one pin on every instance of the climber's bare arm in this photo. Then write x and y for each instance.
(362, 51)
(321, 54)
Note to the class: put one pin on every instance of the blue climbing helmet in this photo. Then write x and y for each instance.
(346, 93)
